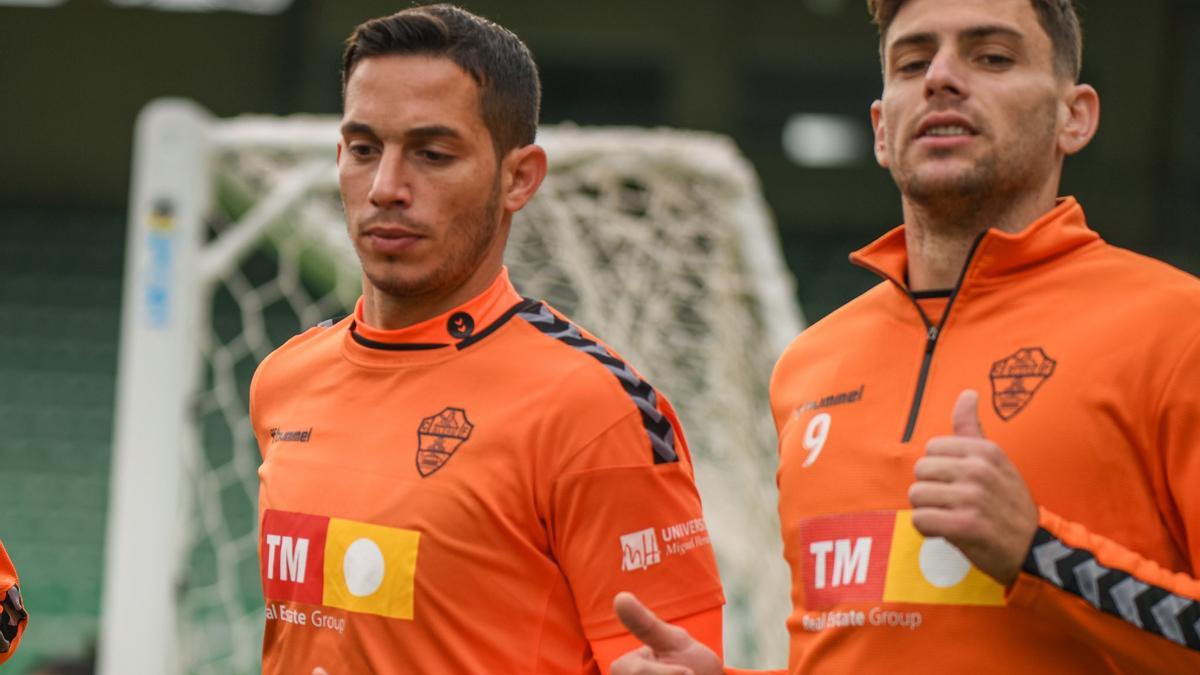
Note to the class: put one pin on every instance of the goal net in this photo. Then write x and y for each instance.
(657, 240)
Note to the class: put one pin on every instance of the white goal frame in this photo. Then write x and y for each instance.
(169, 278)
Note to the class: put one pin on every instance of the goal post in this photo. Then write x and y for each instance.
(659, 241)
(157, 368)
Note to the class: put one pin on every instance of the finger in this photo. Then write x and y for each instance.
(925, 494)
(939, 522)
(937, 468)
(956, 446)
(965, 419)
(643, 624)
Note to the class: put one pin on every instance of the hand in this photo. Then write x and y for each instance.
(969, 493)
(668, 650)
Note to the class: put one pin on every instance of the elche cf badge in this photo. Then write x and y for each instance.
(1017, 377)
(439, 437)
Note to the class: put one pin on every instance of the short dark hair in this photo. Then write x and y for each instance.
(509, 90)
(1058, 18)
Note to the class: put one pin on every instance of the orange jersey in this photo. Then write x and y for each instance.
(1087, 360)
(466, 495)
(12, 608)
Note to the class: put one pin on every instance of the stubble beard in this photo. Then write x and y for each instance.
(992, 184)
(476, 231)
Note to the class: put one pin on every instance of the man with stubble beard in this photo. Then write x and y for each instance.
(1054, 526)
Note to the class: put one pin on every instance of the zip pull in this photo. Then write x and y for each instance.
(932, 337)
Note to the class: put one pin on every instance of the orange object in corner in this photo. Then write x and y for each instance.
(13, 616)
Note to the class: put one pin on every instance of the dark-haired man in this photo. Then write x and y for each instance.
(1053, 527)
(456, 479)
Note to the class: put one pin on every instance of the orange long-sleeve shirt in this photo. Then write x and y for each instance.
(466, 495)
(1087, 358)
(12, 608)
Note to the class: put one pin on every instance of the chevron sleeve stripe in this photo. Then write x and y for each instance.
(1147, 606)
(658, 427)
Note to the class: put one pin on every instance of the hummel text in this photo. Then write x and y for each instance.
(843, 398)
(298, 436)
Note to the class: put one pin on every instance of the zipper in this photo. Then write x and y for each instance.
(931, 338)
(932, 333)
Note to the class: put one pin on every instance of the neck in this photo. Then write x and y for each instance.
(386, 311)
(939, 237)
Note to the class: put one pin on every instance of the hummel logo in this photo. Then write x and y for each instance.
(852, 396)
(300, 436)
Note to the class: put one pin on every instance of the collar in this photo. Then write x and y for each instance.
(461, 325)
(1059, 231)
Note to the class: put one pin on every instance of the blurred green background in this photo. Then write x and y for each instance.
(74, 74)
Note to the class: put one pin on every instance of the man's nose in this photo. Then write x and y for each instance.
(946, 75)
(391, 186)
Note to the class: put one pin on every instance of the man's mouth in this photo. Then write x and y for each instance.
(947, 130)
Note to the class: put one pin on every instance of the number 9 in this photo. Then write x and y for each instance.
(815, 436)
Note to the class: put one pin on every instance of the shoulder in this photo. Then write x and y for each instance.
(1146, 292)
(861, 316)
(1160, 276)
(300, 353)
(573, 353)
(591, 387)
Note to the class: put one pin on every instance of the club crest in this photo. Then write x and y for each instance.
(439, 437)
(1016, 378)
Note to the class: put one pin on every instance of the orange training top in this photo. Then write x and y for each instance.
(12, 608)
(1087, 360)
(466, 495)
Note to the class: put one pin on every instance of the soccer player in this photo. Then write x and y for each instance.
(456, 479)
(1054, 525)
(12, 608)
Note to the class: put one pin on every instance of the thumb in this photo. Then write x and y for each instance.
(965, 420)
(660, 636)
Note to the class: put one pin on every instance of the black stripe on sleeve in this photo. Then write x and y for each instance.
(658, 426)
(1116, 592)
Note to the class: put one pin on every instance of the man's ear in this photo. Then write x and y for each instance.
(879, 126)
(523, 170)
(1080, 117)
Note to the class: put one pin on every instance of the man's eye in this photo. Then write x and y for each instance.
(361, 150)
(995, 60)
(913, 66)
(434, 156)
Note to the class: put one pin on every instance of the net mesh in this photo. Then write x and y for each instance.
(639, 236)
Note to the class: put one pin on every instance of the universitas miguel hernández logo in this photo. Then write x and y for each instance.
(439, 437)
(1017, 377)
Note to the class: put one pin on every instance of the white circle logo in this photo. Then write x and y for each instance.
(942, 564)
(363, 568)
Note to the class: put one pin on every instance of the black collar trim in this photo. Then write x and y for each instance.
(524, 305)
(392, 346)
(521, 306)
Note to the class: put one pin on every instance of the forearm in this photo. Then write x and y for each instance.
(1140, 614)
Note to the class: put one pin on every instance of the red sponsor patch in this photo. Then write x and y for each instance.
(292, 556)
(845, 557)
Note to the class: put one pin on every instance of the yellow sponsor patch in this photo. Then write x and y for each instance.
(933, 572)
(370, 568)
